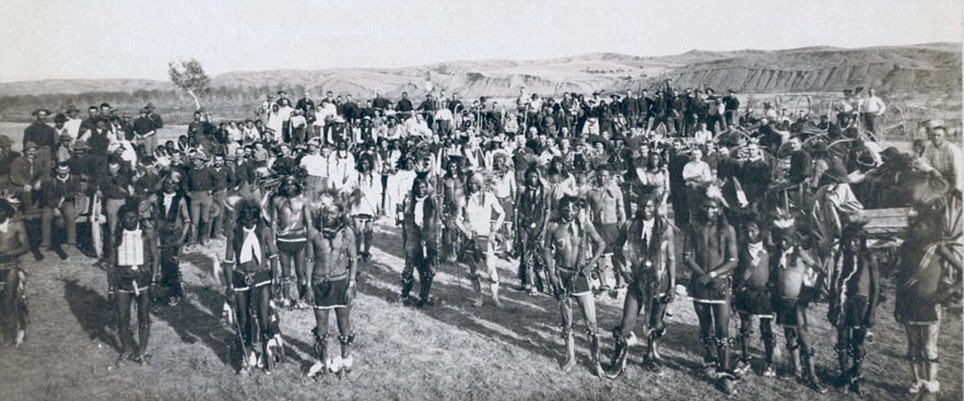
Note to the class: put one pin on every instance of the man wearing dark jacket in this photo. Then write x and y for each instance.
(60, 194)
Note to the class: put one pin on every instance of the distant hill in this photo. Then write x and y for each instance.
(77, 86)
(934, 66)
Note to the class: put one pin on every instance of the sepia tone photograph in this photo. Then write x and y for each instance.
(481, 200)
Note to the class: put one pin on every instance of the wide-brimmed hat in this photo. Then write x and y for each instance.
(149, 105)
(5, 141)
(38, 111)
(30, 144)
(80, 145)
(71, 108)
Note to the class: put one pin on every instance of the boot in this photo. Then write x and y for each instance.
(620, 352)
(570, 352)
(321, 353)
(594, 352)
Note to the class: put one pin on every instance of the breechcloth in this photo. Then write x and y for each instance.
(790, 312)
(331, 293)
(292, 243)
(133, 279)
(574, 283)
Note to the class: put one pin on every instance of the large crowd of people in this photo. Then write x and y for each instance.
(586, 194)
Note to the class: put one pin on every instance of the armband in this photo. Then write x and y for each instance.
(275, 256)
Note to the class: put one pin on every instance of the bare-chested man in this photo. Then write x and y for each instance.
(569, 237)
(131, 273)
(13, 243)
(475, 223)
(452, 186)
(646, 259)
(854, 291)
(791, 272)
(289, 223)
(710, 252)
(753, 297)
(332, 282)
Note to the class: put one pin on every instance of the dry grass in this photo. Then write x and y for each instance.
(450, 352)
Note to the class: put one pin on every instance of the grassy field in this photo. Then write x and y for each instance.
(452, 351)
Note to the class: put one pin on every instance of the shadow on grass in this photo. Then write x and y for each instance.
(92, 312)
(527, 326)
(201, 260)
(192, 324)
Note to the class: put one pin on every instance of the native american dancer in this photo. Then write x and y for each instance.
(475, 223)
(131, 274)
(793, 279)
(365, 201)
(569, 237)
(13, 244)
(646, 259)
(854, 291)
(173, 222)
(421, 218)
(752, 298)
(532, 217)
(332, 282)
(928, 273)
(710, 252)
(452, 186)
(289, 222)
(250, 269)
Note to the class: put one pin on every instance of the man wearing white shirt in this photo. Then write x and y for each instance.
(873, 107)
(316, 166)
(72, 125)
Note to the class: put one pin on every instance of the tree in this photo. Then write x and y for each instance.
(189, 76)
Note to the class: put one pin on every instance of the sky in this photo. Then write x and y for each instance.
(93, 39)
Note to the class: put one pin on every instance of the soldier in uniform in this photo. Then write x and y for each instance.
(332, 282)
